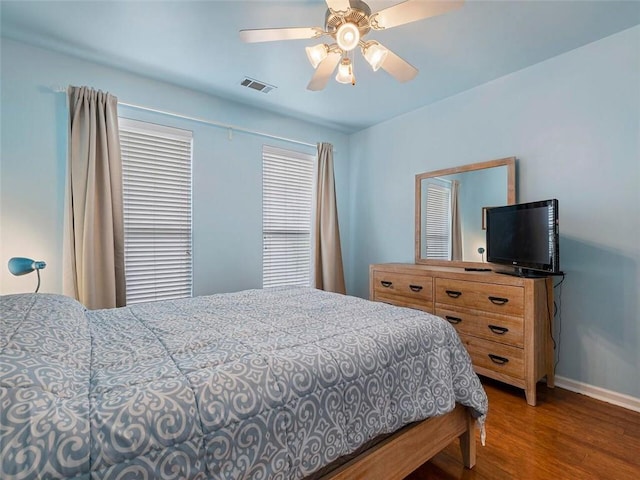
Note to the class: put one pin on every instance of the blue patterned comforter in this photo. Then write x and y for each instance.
(257, 384)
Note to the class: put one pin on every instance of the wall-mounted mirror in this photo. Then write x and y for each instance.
(450, 210)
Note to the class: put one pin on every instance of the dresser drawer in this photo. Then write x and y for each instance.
(497, 328)
(488, 297)
(497, 357)
(403, 287)
(400, 301)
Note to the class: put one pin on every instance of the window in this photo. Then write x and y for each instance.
(287, 195)
(156, 171)
(438, 222)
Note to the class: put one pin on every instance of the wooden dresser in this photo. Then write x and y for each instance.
(504, 321)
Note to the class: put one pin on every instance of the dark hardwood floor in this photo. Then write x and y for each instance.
(566, 436)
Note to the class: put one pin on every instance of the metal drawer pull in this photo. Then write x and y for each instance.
(453, 293)
(498, 359)
(498, 330)
(415, 288)
(498, 300)
(453, 320)
(386, 283)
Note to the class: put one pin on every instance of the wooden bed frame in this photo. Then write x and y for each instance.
(400, 454)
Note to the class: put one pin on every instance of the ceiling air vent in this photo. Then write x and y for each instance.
(257, 85)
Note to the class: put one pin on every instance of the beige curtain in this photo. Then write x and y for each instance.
(456, 230)
(94, 257)
(328, 261)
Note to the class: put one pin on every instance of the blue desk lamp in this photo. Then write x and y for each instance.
(22, 266)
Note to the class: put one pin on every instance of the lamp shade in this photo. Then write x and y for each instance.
(22, 266)
(375, 54)
(317, 54)
(345, 72)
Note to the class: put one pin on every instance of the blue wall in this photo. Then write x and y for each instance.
(573, 122)
(227, 174)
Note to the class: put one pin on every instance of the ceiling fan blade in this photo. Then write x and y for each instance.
(274, 34)
(399, 68)
(411, 11)
(324, 71)
(339, 5)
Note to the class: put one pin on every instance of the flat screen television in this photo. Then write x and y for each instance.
(524, 236)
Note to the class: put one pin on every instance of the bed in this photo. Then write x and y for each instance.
(290, 383)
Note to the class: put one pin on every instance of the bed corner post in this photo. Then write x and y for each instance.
(468, 442)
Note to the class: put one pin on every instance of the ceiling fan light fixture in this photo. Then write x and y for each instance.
(317, 54)
(345, 72)
(347, 36)
(348, 22)
(375, 54)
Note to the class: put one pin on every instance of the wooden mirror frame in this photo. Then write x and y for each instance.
(509, 162)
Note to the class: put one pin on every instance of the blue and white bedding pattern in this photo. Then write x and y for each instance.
(260, 384)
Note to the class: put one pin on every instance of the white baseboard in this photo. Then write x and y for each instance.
(615, 398)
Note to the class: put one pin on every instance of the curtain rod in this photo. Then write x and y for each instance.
(217, 124)
(231, 128)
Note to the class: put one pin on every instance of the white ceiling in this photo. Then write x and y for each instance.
(196, 45)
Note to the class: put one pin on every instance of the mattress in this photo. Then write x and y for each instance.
(273, 383)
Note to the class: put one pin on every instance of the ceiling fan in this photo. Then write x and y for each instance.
(347, 22)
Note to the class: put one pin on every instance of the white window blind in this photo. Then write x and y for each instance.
(156, 170)
(438, 222)
(287, 195)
